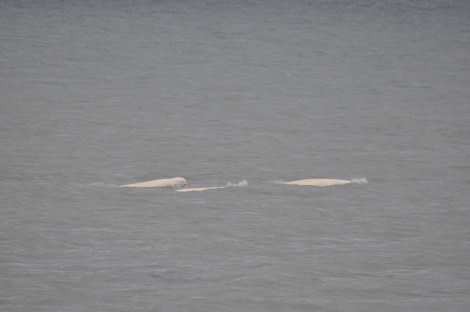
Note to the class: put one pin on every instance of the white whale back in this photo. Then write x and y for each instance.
(176, 182)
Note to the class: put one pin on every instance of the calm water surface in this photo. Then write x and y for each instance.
(96, 94)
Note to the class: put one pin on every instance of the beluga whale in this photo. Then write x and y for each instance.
(316, 182)
(176, 182)
(199, 189)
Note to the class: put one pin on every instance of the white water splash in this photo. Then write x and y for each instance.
(242, 183)
(359, 181)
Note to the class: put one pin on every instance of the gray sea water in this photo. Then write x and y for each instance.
(96, 94)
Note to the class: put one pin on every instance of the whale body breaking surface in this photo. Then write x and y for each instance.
(317, 182)
(179, 183)
(198, 189)
(176, 182)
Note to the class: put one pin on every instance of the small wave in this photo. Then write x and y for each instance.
(359, 181)
(102, 184)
